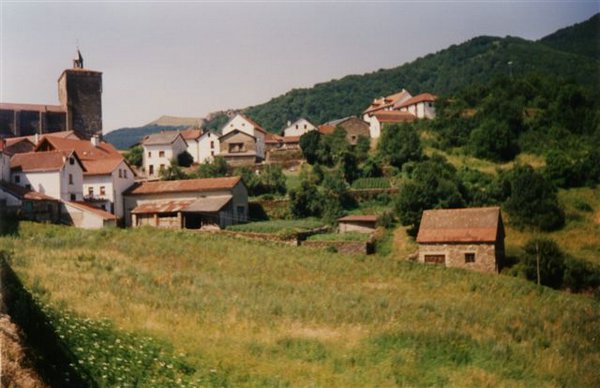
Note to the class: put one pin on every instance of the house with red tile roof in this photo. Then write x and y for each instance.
(391, 102)
(422, 106)
(106, 173)
(297, 128)
(247, 144)
(190, 204)
(471, 238)
(57, 174)
(387, 117)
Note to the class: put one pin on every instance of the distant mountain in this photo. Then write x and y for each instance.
(581, 38)
(124, 138)
(173, 121)
(448, 71)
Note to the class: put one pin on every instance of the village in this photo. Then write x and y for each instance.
(56, 168)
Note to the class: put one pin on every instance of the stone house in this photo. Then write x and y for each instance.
(242, 139)
(471, 238)
(358, 223)
(189, 204)
(160, 149)
(298, 128)
(353, 126)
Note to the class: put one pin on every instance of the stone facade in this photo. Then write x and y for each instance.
(481, 257)
(80, 92)
(355, 128)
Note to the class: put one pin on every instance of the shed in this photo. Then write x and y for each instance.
(471, 238)
(84, 215)
(358, 223)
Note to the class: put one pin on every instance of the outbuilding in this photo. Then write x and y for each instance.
(358, 223)
(471, 238)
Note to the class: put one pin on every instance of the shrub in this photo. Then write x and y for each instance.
(399, 144)
(551, 261)
(184, 159)
(135, 156)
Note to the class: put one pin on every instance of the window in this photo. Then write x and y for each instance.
(71, 160)
(304, 126)
(149, 154)
(124, 173)
(162, 167)
(212, 153)
(161, 154)
(91, 191)
(469, 257)
(151, 169)
(236, 147)
(296, 126)
(212, 144)
(120, 174)
(70, 179)
(28, 187)
(73, 197)
(102, 190)
(17, 179)
(435, 259)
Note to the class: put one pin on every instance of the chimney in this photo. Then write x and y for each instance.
(36, 138)
(95, 140)
(289, 123)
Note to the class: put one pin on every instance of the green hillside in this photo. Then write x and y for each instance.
(476, 61)
(581, 38)
(124, 138)
(148, 307)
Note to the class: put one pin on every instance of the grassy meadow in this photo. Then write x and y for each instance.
(213, 310)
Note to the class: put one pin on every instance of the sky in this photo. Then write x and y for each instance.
(189, 58)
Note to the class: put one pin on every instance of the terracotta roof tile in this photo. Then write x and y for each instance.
(424, 97)
(460, 225)
(190, 185)
(394, 116)
(160, 138)
(191, 133)
(162, 207)
(388, 102)
(39, 161)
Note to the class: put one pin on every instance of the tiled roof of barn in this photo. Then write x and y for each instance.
(189, 185)
(460, 225)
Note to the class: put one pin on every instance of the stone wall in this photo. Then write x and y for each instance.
(454, 255)
(81, 92)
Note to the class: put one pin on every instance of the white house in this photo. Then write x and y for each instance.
(391, 102)
(385, 117)
(160, 149)
(422, 106)
(298, 128)
(244, 124)
(57, 174)
(106, 174)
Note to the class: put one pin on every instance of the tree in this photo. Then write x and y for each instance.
(173, 173)
(533, 201)
(432, 184)
(306, 200)
(544, 261)
(494, 141)
(184, 159)
(335, 196)
(310, 143)
(362, 147)
(135, 156)
(349, 166)
(217, 168)
(400, 143)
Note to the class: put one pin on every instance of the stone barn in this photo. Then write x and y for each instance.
(358, 223)
(471, 238)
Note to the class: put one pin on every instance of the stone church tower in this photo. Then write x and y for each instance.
(80, 94)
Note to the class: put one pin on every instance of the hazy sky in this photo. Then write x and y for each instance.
(190, 58)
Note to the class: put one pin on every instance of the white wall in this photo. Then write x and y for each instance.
(77, 186)
(193, 148)
(241, 124)
(114, 184)
(298, 128)
(54, 183)
(374, 127)
(207, 153)
(85, 219)
(152, 152)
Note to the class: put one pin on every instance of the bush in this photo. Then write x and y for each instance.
(217, 168)
(551, 262)
(135, 156)
(184, 159)
(400, 144)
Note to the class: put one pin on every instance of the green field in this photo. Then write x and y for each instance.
(197, 309)
(278, 226)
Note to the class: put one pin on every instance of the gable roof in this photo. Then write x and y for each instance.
(388, 102)
(181, 186)
(298, 121)
(461, 225)
(191, 133)
(41, 161)
(394, 116)
(162, 138)
(424, 97)
(233, 132)
(248, 119)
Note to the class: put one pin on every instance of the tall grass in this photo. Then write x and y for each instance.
(263, 314)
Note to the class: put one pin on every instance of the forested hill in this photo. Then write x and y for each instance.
(581, 38)
(476, 61)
